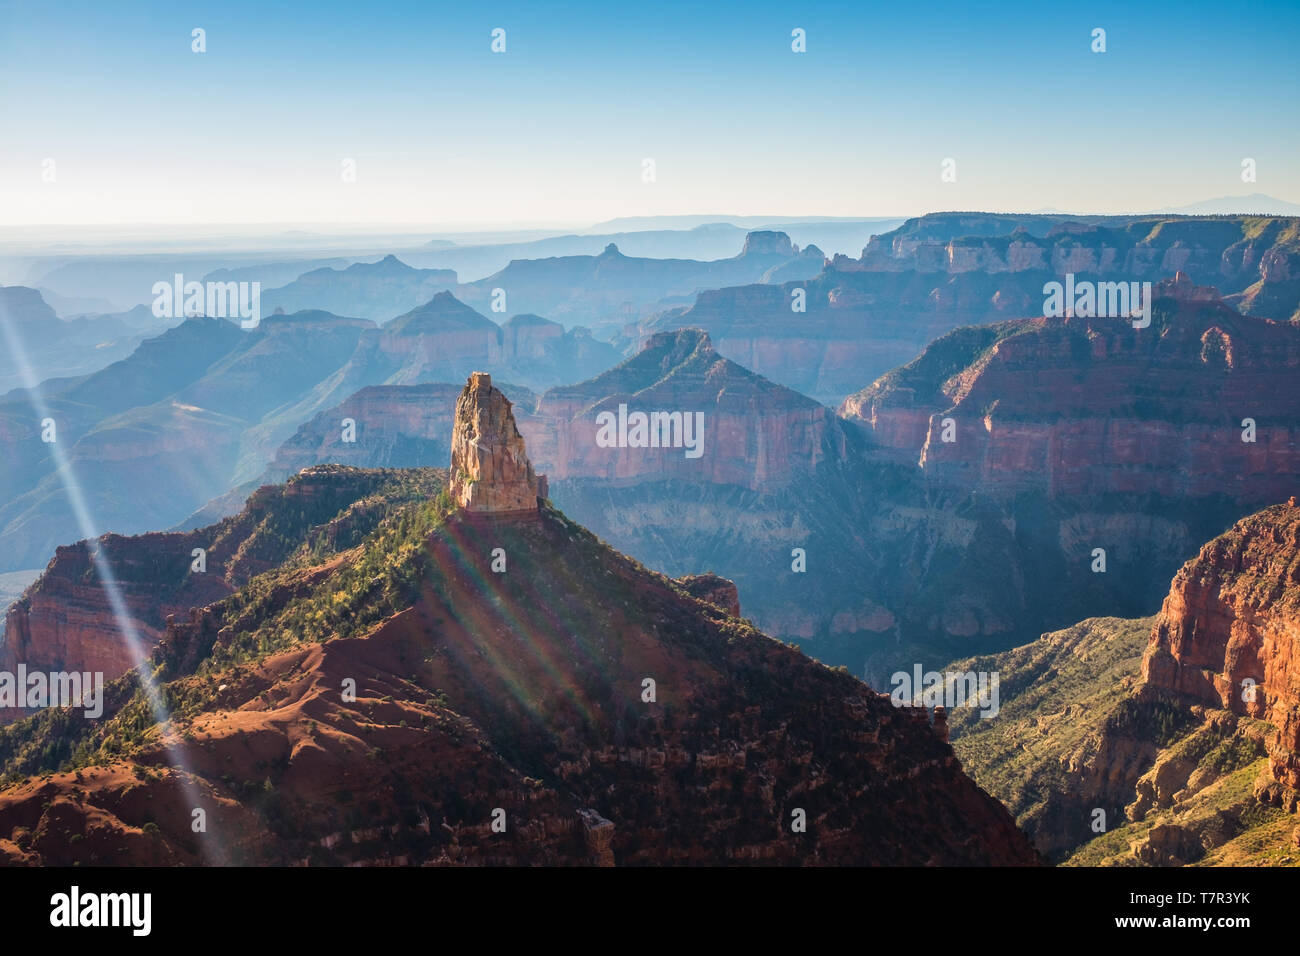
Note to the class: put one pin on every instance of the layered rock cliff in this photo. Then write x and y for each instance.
(746, 430)
(1164, 741)
(1201, 403)
(828, 334)
(614, 286)
(1227, 635)
(756, 435)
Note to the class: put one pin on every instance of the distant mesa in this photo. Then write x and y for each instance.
(769, 242)
(490, 470)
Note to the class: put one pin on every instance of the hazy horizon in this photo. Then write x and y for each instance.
(112, 118)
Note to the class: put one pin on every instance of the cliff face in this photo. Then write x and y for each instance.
(863, 317)
(65, 622)
(1180, 728)
(397, 426)
(748, 431)
(490, 471)
(594, 288)
(1231, 252)
(202, 408)
(569, 707)
(1087, 406)
(755, 435)
(1227, 633)
(883, 541)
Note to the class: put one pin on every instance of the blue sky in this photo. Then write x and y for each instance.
(555, 130)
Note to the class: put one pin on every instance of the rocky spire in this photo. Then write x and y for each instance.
(490, 471)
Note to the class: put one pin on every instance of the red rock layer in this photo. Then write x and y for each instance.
(1089, 406)
(757, 435)
(1228, 631)
(522, 696)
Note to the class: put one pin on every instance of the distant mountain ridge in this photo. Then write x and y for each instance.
(57, 348)
(375, 291)
(203, 407)
(861, 317)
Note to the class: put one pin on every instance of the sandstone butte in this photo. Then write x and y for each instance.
(1232, 619)
(490, 470)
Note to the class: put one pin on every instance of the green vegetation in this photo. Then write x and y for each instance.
(1058, 697)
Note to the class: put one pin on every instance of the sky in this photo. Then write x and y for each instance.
(110, 102)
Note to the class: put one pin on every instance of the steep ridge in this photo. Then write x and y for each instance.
(203, 407)
(894, 564)
(65, 621)
(1227, 634)
(175, 412)
(568, 706)
(54, 347)
(756, 435)
(374, 290)
(444, 340)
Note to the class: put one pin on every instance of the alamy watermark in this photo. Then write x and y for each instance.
(75, 909)
(1085, 299)
(218, 300)
(953, 689)
(651, 430)
(39, 689)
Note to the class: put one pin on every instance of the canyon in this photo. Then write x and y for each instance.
(1176, 732)
(575, 709)
(1199, 404)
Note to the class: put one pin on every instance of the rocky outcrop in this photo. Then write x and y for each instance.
(66, 621)
(714, 589)
(756, 435)
(490, 471)
(1227, 633)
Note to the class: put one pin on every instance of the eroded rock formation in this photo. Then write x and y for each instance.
(1227, 633)
(1200, 403)
(490, 471)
